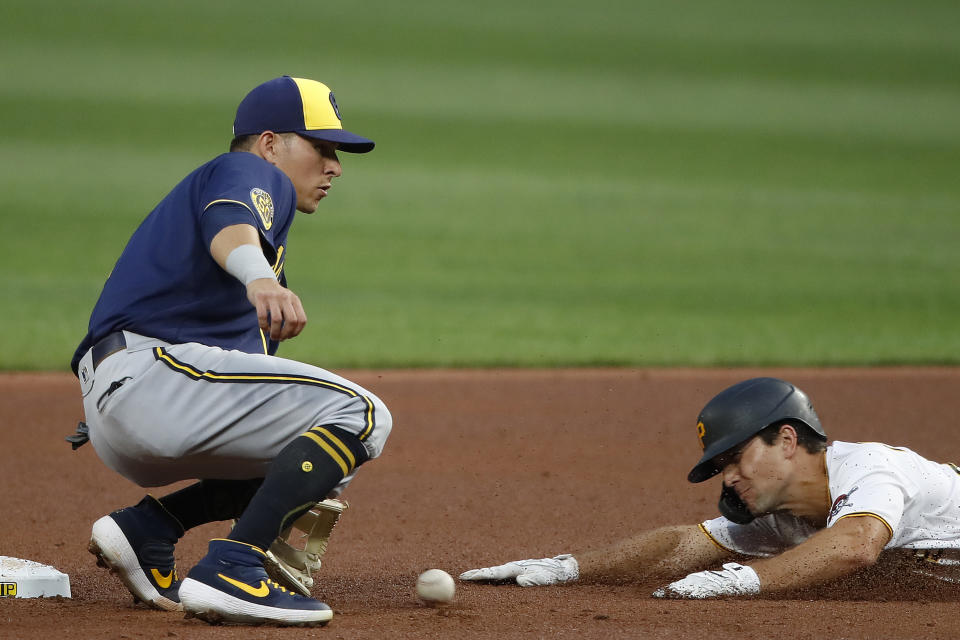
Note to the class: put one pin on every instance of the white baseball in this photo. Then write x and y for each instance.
(436, 585)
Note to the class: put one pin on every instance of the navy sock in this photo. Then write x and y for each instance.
(302, 474)
(210, 501)
(166, 524)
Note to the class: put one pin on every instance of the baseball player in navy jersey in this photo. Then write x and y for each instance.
(180, 381)
(796, 512)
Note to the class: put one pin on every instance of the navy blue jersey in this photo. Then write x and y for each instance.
(167, 285)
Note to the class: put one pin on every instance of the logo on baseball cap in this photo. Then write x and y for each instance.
(296, 105)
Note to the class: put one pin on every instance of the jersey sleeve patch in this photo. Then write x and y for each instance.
(263, 204)
(841, 502)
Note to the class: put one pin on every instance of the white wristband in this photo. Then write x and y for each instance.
(247, 263)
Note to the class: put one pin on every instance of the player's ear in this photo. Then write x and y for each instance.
(268, 146)
(788, 439)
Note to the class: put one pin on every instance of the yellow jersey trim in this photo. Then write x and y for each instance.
(826, 473)
(266, 346)
(225, 201)
(278, 265)
(867, 514)
(703, 529)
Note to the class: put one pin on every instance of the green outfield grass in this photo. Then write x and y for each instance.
(555, 183)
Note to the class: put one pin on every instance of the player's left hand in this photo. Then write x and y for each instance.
(733, 580)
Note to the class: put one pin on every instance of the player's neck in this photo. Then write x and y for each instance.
(809, 497)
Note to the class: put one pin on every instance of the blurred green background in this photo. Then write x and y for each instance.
(555, 183)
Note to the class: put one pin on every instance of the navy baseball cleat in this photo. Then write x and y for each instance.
(230, 585)
(136, 543)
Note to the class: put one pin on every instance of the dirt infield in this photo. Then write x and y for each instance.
(485, 467)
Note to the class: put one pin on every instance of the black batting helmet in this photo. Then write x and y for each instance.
(738, 413)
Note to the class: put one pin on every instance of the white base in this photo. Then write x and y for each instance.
(27, 579)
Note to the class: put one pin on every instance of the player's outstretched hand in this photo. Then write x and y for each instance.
(733, 580)
(529, 573)
(279, 310)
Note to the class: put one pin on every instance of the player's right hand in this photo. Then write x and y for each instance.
(732, 580)
(529, 573)
(279, 310)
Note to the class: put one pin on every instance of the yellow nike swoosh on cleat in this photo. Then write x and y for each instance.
(262, 592)
(163, 580)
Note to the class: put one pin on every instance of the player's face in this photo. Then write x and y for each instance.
(311, 165)
(756, 471)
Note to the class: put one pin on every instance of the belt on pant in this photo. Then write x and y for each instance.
(107, 346)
